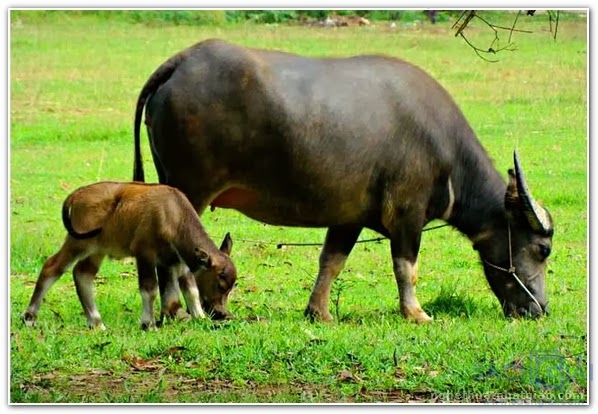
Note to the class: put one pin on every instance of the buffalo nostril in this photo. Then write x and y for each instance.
(536, 313)
(532, 311)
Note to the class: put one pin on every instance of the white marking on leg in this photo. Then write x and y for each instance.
(403, 272)
(449, 209)
(406, 276)
(52, 270)
(330, 266)
(193, 303)
(38, 297)
(190, 291)
(147, 307)
(84, 279)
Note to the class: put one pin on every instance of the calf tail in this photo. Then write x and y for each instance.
(157, 79)
(68, 225)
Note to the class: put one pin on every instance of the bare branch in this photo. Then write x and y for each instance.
(468, 16)
(556, 19)
(514, 23)
(477, 50)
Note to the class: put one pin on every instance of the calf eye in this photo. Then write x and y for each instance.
(222, 281)
(544, 250)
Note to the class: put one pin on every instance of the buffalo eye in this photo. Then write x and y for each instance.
(544, 250)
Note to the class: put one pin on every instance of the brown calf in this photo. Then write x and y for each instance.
(156, 225)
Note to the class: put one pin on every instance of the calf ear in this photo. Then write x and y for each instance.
(227, 244)
(203, 257)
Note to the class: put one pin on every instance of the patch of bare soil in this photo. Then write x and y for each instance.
(101, 386)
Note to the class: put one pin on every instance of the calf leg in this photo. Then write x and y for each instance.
(169, 280)
(185, 274)
(53, 268)
(191, 294)
(148, 288)
(338, 244)
(84, 274)
(169, 296)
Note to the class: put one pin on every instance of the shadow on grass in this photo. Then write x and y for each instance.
(452, 302)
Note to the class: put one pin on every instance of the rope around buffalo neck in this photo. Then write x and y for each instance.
(511, 271)
(377, 239)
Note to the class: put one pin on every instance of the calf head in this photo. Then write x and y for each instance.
(515, 252)
(216, 279)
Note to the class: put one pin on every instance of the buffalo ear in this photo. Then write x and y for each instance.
(537, 216)
(512, 195)
(227, 244)
(203, 257)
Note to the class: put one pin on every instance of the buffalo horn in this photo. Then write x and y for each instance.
(536, 215)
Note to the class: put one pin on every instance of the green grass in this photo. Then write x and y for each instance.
(74, 81)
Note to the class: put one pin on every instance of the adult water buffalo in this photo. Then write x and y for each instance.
(347, 143)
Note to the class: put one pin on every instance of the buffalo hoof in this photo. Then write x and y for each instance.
(28, 319)
(96, 324)
(314, 314)
(416, 315)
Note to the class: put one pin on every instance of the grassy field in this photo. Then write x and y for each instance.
(74, 81)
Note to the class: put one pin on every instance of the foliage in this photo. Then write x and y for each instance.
(148, 17)
(222, 17)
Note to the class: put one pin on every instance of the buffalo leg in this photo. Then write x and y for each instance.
(84, 275)
(148, 288)
(404, 261)
(338, 244)
(53, 268)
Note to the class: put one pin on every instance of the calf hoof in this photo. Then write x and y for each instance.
(181, 315)
(28, 319)
(148, 326)
(314, 314)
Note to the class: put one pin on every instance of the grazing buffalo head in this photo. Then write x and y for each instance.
(514, 251)
(216, 282)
